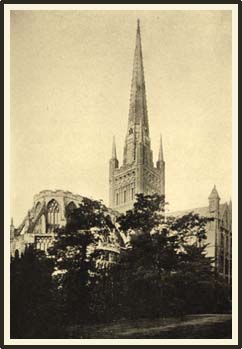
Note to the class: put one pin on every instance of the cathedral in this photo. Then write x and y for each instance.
(137, 174)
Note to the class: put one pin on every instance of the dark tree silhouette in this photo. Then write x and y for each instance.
(163, 271)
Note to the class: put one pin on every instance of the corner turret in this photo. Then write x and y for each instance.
(214, 200)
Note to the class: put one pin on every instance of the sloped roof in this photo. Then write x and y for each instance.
(202, 211)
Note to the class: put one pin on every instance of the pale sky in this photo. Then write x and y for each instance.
(70, 85)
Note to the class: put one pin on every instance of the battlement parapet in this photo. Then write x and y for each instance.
(46, 194)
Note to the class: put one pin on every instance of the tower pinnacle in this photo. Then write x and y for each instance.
(114, 153)
(214, 193)
(160, 157)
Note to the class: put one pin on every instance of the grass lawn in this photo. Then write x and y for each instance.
(191, 326)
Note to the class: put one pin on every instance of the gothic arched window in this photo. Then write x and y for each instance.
(53, 213)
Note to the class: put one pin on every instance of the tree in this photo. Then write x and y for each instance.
(74, 259)
(165, 271)
(32, 302)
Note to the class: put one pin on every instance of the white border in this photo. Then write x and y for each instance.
(8, 341)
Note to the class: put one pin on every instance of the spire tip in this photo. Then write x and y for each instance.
(138, 25)
(214, 193)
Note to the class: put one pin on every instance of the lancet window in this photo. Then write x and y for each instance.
(53, 213)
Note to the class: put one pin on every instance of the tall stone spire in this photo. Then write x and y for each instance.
(138, 128)
(138, 106)
(137, 174)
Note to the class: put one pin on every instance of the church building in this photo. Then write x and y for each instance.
(137, 174)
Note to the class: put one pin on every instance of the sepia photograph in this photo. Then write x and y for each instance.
(120, 195)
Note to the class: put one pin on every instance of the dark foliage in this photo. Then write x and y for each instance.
(164, 272)
(34, 312)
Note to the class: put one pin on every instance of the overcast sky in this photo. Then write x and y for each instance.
(70, 85)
